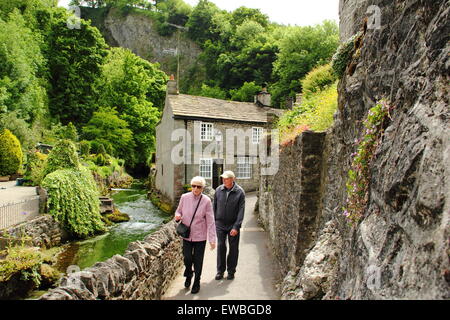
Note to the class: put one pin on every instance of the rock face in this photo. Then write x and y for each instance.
(401, 247)
(138, 33)
(144, 272)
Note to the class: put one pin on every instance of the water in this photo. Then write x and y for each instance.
(145, 219)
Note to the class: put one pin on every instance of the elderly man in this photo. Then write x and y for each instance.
(229, 207)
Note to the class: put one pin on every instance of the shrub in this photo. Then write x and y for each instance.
(73, 201)
(318, 79)
(36, 163)
(63, 156)
(11, 155)
(85, 148)
(315, 113)
(21, 259)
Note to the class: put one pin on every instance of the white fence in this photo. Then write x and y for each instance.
(19, 211)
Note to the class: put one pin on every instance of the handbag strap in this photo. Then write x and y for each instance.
(201, 196)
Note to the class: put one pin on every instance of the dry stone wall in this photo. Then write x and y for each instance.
(144, 272)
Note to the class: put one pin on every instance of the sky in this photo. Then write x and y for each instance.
(293, 12)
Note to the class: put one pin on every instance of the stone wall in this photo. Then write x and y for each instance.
(400, 248)
(43, 231)
(289, 200)
(144, 272)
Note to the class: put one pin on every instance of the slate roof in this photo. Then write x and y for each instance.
(187, 106)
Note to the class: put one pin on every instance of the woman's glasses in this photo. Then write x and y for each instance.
(194, 186)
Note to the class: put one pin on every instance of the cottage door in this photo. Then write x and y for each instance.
(217, 171)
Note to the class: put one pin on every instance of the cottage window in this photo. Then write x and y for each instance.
(256, 134)
(244, 168)
(206, 168)
(206, 131)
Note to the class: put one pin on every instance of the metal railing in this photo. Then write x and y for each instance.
(19, 211)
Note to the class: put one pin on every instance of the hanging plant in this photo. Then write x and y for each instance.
(73, 201)
(359, 175)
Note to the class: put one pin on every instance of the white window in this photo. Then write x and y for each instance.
(244, 168)
(206, 131)
(256, 134)
(206, 168)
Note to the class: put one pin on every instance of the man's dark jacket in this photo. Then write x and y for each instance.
(229, 213)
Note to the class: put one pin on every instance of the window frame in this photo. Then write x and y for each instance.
(244, 168)
(208, 133)
(201, 173)
(259, 132)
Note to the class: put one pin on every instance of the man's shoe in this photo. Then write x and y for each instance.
(219, 276)
(230, 276)
(195, 287)
(187, 283)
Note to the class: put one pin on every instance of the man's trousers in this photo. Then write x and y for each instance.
(225, 262)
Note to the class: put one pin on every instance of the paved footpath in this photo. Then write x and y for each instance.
(9, 192)
(254, 278)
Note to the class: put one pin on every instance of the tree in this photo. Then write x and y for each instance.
(75, 57)
(302, 49)
(201, 22)
(22, 67)
(107, 128)
(136, 88)
(246, 93)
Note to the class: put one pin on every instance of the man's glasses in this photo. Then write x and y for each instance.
(193, 187)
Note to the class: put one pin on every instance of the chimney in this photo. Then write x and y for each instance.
(172, 85)
(263, 98)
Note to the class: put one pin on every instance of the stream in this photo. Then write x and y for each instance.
(145, 218)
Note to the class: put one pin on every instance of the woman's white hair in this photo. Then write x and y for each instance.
(200, 180)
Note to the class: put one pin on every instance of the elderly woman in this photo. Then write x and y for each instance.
(202, 228)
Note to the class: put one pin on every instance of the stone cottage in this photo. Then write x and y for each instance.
(205, 136)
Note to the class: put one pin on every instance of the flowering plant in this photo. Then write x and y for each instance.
(359, 174)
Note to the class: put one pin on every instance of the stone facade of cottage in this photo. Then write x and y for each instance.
(206, 136)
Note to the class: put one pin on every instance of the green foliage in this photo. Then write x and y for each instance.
(246, 93)
(22, 66)
(201, 24)
(109, 130)
(300, 50)
(63, 156)
(35, 170)
(317, 80)
(344, 54)
(136, 88)
(212, 92)
(73, 201)
(75, 59)
(23, 260)
(359, 176)
(11, 156)
(314, 113)
(84, 147)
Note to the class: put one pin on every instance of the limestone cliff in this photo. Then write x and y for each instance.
(401, 247)
(138, 33)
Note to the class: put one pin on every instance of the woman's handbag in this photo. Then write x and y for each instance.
(183, 230)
